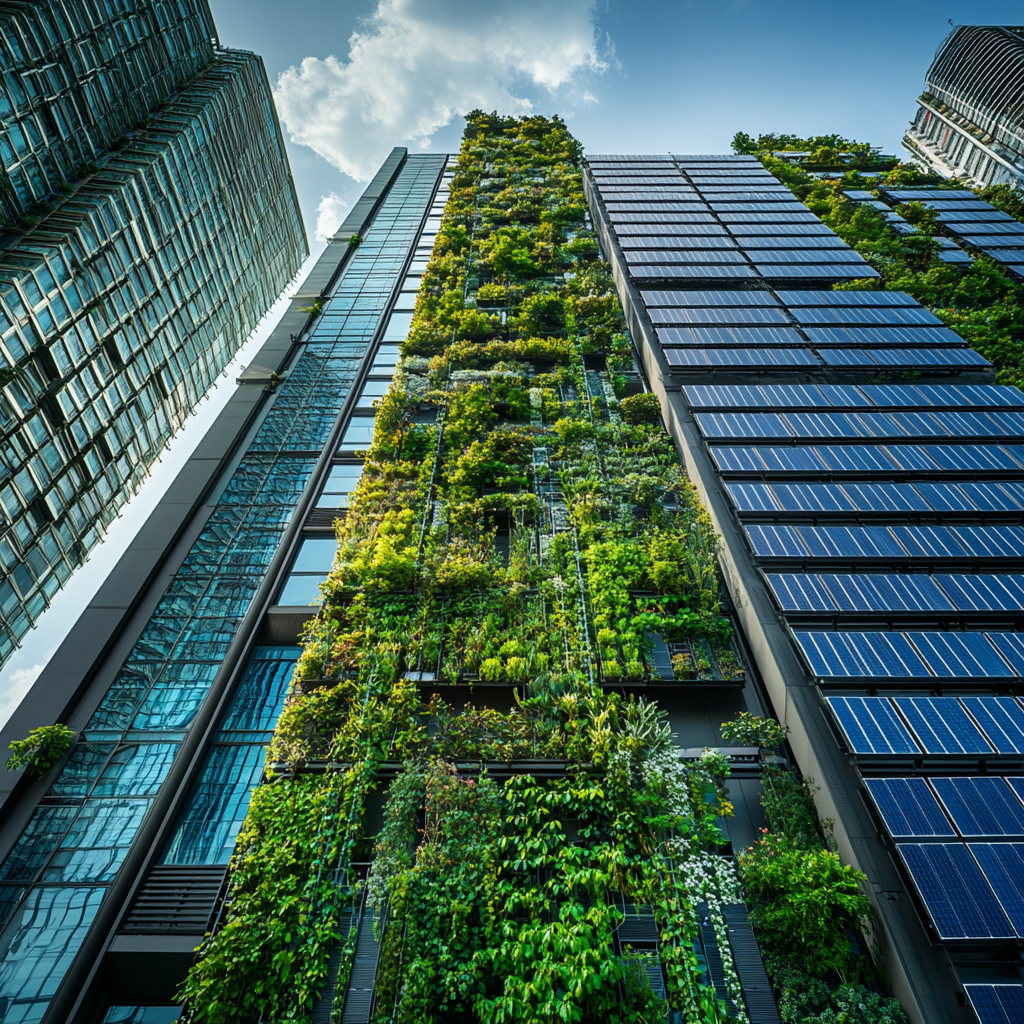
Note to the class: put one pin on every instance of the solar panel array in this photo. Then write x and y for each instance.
(979, 224)
(732, 267)
(887, 519)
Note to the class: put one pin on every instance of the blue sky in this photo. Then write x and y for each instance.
(630, 77)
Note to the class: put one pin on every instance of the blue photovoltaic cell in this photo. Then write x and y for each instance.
(960, 655)
(753, 497)
(942, 725)
(727, 424)
(1001, 719)
(871, 726)
(790, 460)
(984, 593)
(894, 337)
(812, 498)
(997, 1004)
(737, 460)
(971, 457)
(861, 458)
(1003, 866)
(981, 807)
(797, 300)
(704, 298)
(745, 336)
(991, 541)
(755, 315)
(776, 542)
(798, 592)
(954, 890)
(884, 593)
(1011, 647)
(848, 541)
(861, 656)
(909, 808)
(885, 498)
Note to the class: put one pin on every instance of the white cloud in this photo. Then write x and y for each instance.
(418, 63)
(17, 685)
(329, 215)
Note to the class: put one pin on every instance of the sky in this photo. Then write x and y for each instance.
(354, 79)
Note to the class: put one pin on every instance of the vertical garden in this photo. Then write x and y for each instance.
(522, 527)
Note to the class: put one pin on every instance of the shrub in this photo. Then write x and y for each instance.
(40, 750)
(643, 408)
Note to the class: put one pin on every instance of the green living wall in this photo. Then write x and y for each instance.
(521, 523)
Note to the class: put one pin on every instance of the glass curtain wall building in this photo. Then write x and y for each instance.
(970, 117)
(112, 870)
(159, 231)
(872, 536)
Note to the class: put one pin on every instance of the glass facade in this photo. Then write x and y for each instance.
(87, 822)
(77, 75)
(119, 310)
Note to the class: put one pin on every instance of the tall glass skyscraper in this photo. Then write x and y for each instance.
(176, 674)
(150, 222)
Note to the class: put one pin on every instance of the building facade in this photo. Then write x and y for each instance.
(970, 117)
(176, 691)
(870, 528)
(152, 225)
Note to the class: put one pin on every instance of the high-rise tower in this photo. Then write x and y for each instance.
(150, 220)
(970, 117)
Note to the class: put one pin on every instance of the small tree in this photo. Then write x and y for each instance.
(40, 750)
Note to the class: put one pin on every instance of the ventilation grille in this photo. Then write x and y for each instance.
(176, 900)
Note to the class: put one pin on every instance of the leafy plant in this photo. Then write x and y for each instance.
(43, 748)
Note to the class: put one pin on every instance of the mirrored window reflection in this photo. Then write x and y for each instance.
(373, 390)
(341, 483)
(40, 942)
(309, 570)
(385, 360)
(358, 433)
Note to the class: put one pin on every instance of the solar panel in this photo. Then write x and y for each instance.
(981, 807)
(791, 228)
(1003, 867)
(870, 725)
(825, 271)
(705, 272)
(797, 592)
(853, 458)
(861, 656)
(713, 357)
(745, 315)
(710, 396)
(997, 1004)
(692, 225)
(865, 592)
(790, 460)
(959, 655)
(741, 424)
(797, 217)
(674, 242)
(812, 498)
(879, 315)
(829, 298)
(984, 593)
(630, 215)
(746, 337)
(848, 541)
(723, 297)
(1011, 647)
(1001, 719)
(991, 541)
(787, 241)
(959, 900)
(885, 498)
(880, 335)
(822, 256)
(942, 726)
(909, 809)
(775, 542)
(688, 257)
(971, 457)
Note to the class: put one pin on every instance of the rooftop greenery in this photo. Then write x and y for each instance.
(981, 301)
